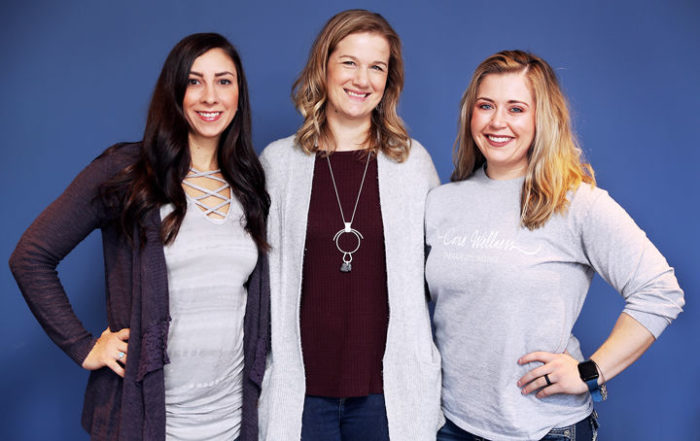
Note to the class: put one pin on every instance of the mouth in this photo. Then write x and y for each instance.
(209, 116)
(499, 141)
(353, 94)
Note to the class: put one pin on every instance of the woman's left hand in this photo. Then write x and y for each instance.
(560, 369)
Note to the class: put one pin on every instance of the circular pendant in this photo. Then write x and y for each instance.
(346, 266)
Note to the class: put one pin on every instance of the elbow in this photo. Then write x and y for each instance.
(15, 262)
(29, 261)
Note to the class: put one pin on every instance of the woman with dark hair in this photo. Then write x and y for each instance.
(183, 216)
(352, 354)
(509, 273)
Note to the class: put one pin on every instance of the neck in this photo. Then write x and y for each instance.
(203, 153)
(505, 173)
(347, 134)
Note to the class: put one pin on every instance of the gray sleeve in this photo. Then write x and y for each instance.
(622, 254)
(426, 167)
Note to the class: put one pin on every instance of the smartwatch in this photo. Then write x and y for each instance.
(588, 371)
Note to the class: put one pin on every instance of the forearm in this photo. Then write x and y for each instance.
(627, 341)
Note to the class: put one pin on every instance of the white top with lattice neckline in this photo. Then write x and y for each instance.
(208, 265)
(210, 211)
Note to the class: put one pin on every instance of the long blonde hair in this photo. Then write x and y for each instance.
(555, 161)
(387, 131)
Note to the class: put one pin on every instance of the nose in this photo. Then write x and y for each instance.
(498, 119)
(361, 78)
(210, 95)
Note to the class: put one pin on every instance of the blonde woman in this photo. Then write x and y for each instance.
(352, 355)
(509, 273)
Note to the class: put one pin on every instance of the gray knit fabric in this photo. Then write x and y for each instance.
(411, 363)
(502, 291)
(208, 265)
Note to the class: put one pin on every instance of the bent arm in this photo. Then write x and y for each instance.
(621, 253)
(618, 250)
(54, 233)
(627, 341)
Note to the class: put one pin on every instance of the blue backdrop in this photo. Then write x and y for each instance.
(77, 77)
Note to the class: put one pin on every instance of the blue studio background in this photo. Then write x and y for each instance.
(77, 77)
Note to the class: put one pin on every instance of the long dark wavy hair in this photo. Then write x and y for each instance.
(155, 179)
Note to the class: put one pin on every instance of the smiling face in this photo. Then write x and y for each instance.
(211, 98)
(356, 76)
(503, 124)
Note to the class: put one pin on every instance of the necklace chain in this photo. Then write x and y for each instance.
(346, 266)
(359, 192)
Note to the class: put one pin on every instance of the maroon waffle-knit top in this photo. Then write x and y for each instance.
(344, 316)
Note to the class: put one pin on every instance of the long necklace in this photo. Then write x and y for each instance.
(346, 266)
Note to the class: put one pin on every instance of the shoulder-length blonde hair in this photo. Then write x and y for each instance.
(387, 132)
(555, 161)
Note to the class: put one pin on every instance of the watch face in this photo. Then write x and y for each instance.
(587, 370)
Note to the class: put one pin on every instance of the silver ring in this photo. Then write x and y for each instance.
(120, 355)
(546, 378)
(357, 234)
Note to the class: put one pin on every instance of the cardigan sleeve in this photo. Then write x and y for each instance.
(54, 233)
(425, 165)
(621, 253)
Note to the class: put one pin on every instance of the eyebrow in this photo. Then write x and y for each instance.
(509, 101)
(219, 74)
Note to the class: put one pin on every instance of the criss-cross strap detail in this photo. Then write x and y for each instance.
(215, 193)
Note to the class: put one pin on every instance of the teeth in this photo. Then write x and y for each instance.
(209, 114)
(499, 138)
(359, 95)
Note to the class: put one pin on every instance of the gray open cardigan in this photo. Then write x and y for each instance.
(411, 363)
(132, 408)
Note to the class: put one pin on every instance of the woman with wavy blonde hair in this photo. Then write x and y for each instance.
(352, 355)
(555, 166)
(510, 272)
(311, 93)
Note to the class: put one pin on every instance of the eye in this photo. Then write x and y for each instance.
(484, 106)
(517, 109)
(378, 68)
(225, 82)
(192, 81)
(348, 63)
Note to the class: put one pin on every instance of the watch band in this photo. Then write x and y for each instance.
(595, 389)
(589, 372)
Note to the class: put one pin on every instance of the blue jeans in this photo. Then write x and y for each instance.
(584, 430)
(344, 419)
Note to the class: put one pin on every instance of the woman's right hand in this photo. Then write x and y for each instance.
(110, 350)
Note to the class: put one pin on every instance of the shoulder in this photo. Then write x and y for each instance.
(418, 167)
(446, 192)
(277, 151)
(279, 159)
(418, 154)
(117, 157)
(104, 167)
(592, 207)
(586, 198)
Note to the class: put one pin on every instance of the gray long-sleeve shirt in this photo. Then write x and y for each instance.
(502, 291)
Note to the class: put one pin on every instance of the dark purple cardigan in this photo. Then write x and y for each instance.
(132, 408)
